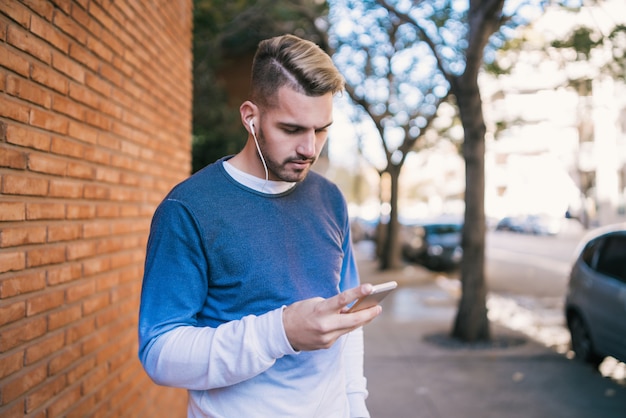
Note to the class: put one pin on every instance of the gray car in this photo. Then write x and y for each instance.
(595, 305)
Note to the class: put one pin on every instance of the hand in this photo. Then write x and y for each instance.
(316, 323)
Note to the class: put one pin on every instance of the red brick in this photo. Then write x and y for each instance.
(82, 17)
(97, 119)
(12, 211)
(65, 188)
(16, 12)
(62, 104)
(46, 163)
(12, 261)
(79, 290)
(63, 359)
(97, 192)
(39, 211)
(45, 302)
(49, 121)
(96, 303)
(22, 235)
(80, 211)
(23, 283)
(11, 158)
(87, 406)
(85, 96)
(81, 249)
(29, 91)
(68, 67)
(45, 255)
(49, 33)
(21, 332)
(84, 133)
(110, 141)
(97, 229)
(100, 49)
(97, 84)
(107, 211)
(81, 170)
(108, 175)
(64, 232)
(42, 8)
(28, 43)
(63, 401)
(23, 185)
(14, 109)
(64, 317)
(29, 138)
(70, 27)
(11, 363)
(11, 313)
(49, 78)
(63, 274)
(14, 62)
(79, 330)
(67, 147)
(111, 74)
(23, 382)
(82, 55)
(98, 155)
(45, 392)
(44, 348)
(108, 282)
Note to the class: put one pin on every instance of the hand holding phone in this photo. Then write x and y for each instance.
(378, 294)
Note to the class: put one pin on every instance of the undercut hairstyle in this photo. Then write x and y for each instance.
(295, 63)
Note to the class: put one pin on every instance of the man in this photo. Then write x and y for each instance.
(249, 264)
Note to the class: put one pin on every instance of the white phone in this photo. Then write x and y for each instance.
(374, 298)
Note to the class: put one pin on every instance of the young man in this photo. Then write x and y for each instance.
(249, 264)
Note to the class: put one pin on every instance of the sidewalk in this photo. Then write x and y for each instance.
(410, 376)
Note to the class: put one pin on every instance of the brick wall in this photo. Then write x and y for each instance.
(95, 127)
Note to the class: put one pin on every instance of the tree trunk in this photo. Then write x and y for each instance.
(471, 322)
(390, 254)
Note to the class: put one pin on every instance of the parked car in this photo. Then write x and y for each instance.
(511, 223)
(436, 245)
(595, 304)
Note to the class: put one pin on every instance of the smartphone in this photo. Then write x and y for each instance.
(374, 298)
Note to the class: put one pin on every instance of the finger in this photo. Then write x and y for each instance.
(340, 301)
(357, 319)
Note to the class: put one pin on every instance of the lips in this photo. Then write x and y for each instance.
(301, 164)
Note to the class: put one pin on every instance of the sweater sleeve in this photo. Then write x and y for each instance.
(174, 347)
(202, 358)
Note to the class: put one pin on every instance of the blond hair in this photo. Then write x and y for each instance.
(293, 62)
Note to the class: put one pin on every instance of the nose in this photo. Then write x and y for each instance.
(306, 147)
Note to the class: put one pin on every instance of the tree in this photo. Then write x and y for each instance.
(454, 38)
(375, 52)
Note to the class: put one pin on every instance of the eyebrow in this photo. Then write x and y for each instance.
(296, 126)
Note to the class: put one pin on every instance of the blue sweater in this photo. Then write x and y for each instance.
(222, 261)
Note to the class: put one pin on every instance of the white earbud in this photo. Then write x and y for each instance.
(256, 142)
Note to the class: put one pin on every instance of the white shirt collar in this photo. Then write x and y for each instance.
(256, 183)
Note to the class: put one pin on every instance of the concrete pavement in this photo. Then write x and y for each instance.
(415, 370)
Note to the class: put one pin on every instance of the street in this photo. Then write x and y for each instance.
(529, 265)
(527, 280)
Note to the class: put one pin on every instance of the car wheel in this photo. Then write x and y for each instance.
(581, 341)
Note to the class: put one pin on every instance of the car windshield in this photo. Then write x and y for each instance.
(443, 229)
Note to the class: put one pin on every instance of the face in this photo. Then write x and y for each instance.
(292, 134)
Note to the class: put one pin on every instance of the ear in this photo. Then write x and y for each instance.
(248, 112)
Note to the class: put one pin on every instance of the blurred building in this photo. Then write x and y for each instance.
(563, 148)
